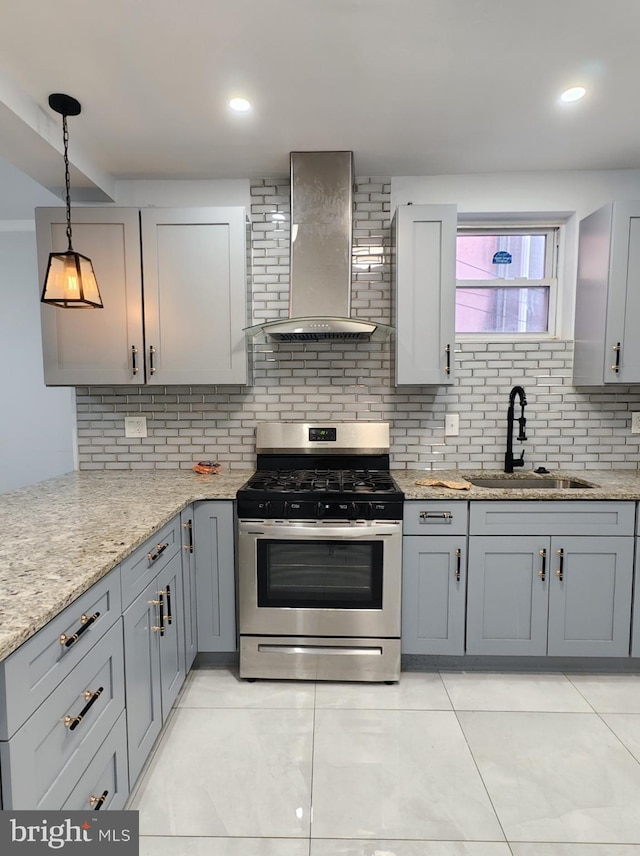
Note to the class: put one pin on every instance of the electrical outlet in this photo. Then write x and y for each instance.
(135, 426)
(451, 424)
(635, 423)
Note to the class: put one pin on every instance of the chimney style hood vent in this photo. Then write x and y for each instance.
(320, 256)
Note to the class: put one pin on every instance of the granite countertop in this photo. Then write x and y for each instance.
(606, 485)
(61, 536)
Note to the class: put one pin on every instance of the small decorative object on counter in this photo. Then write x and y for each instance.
(207, 467)
(454, 484)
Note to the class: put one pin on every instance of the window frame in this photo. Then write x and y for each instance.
(553, 232)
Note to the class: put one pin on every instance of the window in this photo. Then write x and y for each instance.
(506, 281)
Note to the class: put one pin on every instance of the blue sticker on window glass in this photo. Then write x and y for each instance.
(502, 257)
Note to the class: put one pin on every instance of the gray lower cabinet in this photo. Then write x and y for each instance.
(47, 756)
(557, 596)
(434, 577)
(105, 783)
(215, 576)
(154, 659)
(189, 587)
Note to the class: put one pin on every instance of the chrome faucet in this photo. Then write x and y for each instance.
(509, 461)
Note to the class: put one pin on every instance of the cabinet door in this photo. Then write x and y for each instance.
(171, 647)
(195, 291)
(189, 587)
(507, 595)
(590, 596)
(423, 265)
(215, 576)
(142, 677)
(95, 346)
(433, 594)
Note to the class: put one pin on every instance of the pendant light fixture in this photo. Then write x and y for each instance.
(70, 281)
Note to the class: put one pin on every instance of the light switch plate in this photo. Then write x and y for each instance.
(135, 426)
(451, 424)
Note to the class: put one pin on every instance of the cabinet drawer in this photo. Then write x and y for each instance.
(144, 564)
(32, 672)
(435, 518)
(46, 757)
(106, 778)
(551, 518)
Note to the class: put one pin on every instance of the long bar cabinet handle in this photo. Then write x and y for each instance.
(152, 365)
(560, 571)
(542, 573)
(447, 351)
(160, 548)
(458, 564)
(617, 348)
(96, 803)
(436, 515)
(72, 722)
(159, 627)
(134, 360)
(189, 527)
(85, 623)
(167, 593)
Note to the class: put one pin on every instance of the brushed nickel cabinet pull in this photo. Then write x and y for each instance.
(160, 548)
(189, 527)
(447, 516)
(72, 722)
(85, 623)
(96, 803)
(560, 571)
(542, 573)
(458, 564)
(617, 348)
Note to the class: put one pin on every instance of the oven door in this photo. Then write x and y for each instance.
(320, 579)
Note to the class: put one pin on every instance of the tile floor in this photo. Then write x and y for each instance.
(441, 764)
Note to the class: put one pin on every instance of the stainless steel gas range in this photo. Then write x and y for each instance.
(320, 554)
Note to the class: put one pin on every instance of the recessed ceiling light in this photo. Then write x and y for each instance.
(573, 94)
(239, 105)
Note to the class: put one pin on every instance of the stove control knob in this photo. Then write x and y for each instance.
(265, 508)
(320, 509)
(368, 509)
(352, 513)
(285, 509)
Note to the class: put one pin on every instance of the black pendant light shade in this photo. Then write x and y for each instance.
(70, 281)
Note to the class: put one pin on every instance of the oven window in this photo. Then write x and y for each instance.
(321, 574)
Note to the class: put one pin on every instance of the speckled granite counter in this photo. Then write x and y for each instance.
(59, 537)
(607, 485)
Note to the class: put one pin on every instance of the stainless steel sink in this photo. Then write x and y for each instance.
(530, 483)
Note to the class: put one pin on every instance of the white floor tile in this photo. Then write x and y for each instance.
(344, 847)
(626, 726)
(209, 687)
(560, 777)
(397, 774)
(510, 691)
(189, 846)
(414, 691)
(230, 773)
(610, 693)
(575, 849)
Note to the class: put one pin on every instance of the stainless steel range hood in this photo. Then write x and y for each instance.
(320, 255)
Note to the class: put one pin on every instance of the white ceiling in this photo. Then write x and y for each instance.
(412, 87)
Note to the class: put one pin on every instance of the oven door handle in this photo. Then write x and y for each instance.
(321, 531)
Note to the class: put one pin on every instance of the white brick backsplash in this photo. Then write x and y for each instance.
(585, 428)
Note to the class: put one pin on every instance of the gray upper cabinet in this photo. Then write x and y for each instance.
(94, 346)
(174, 287)
(423, 265)
(607, 347)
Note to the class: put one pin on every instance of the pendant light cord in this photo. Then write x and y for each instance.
(67, 177)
